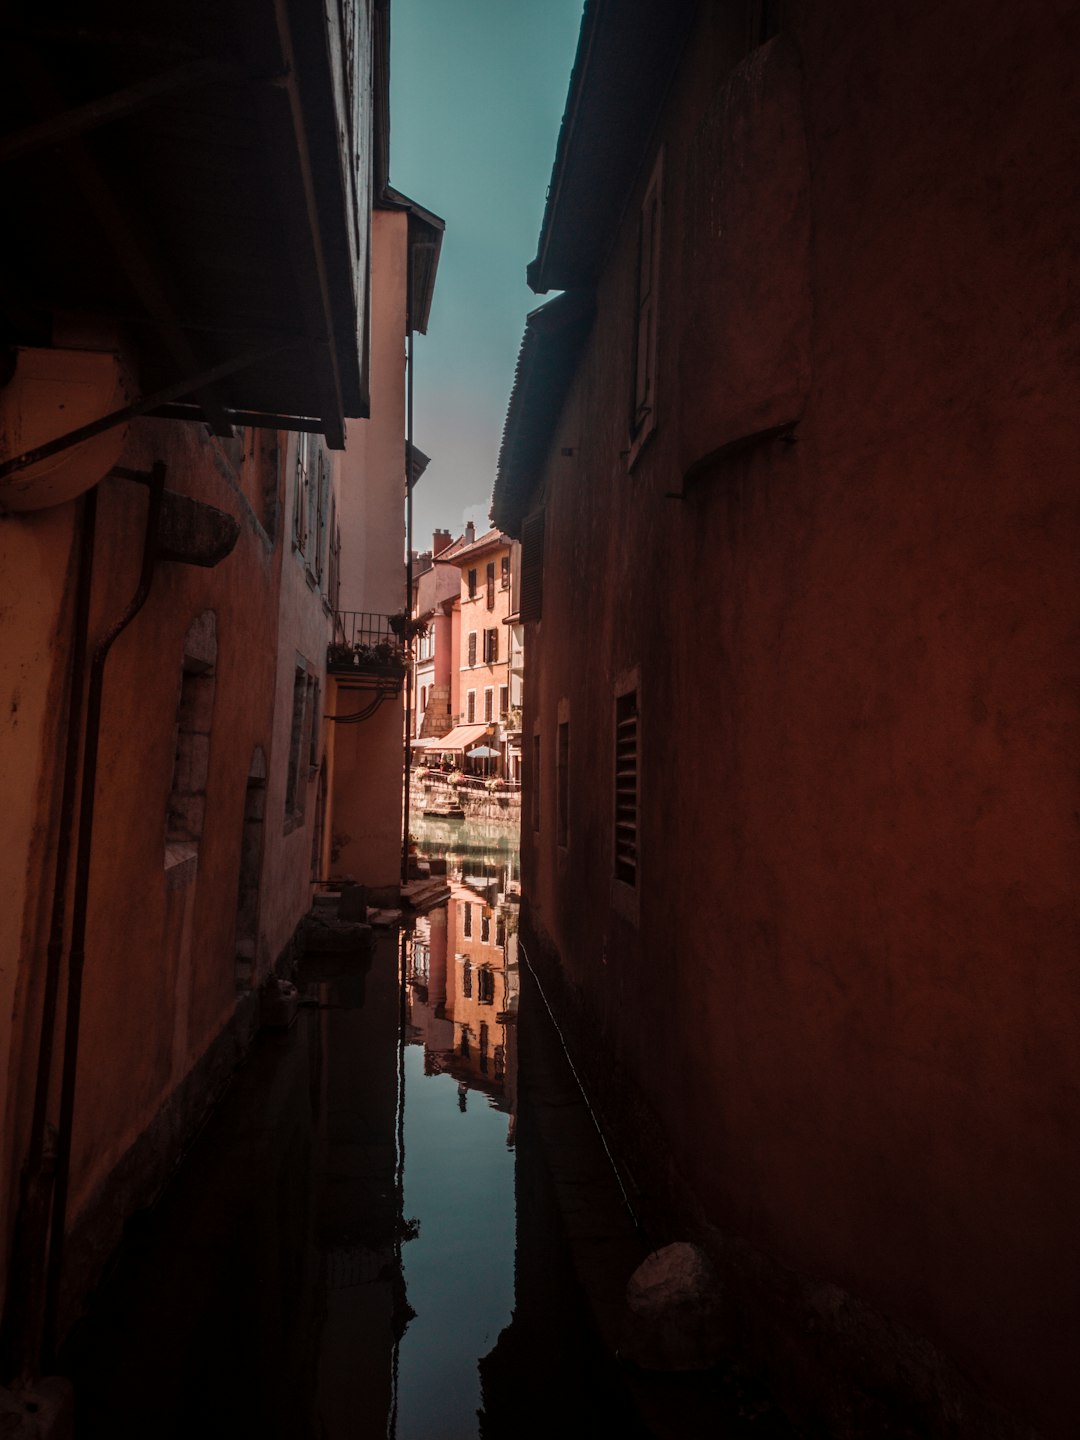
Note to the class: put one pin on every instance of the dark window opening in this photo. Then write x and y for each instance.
(485, 985)
(562, 781)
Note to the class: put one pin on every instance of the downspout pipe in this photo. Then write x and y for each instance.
(77, 951)
(410, 343)
(24, 1312)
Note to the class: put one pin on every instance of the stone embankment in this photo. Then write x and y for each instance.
(436, 792)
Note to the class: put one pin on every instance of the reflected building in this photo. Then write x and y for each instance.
(462, 992)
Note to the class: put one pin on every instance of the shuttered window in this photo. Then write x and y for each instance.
(626, 787)
(472, 647)
(643, 415)
(532, 567)
(562, 785)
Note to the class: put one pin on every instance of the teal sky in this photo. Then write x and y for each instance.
(477, 94)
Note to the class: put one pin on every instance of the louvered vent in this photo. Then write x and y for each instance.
(626, 787)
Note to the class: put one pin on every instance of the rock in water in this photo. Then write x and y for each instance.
(675, 1319)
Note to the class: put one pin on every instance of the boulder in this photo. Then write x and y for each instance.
(675, 1315)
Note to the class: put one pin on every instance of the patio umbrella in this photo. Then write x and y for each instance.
(482, 752)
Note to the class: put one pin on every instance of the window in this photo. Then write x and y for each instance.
(489, 705)
(323, 470)
(491, 646)
(466, 920)
(562, 783)
(532, 567)
(472, 647)
(485, 928)
(626, 787)
(536, 782)
(504, 697)
(294, 791)
(314, 518)
(491, 585)
(485, 985)
(194, 712)
(303, 742)
(504, 573)
(333, 569)
(500, 931)
(643, 417)
(470, 708)
(313, 739)
(472, 584)
(300, 499)
(466, 980)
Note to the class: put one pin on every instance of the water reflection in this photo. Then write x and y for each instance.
(461, 998)
(365, 1241)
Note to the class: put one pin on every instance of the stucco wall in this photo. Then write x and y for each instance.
(372, 468)
(857, 915)
(37, 562)
(303, 631)
(160, 979)
(368, 769)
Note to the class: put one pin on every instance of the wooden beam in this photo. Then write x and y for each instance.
(67, 124)
(132, 249)
(305, 424)
(177, 391)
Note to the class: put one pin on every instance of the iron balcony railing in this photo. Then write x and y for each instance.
(367, 644)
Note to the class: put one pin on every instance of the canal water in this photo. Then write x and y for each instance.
(365, 1240)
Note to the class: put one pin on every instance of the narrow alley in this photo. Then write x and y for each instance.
(370, 1238)
(539, 719)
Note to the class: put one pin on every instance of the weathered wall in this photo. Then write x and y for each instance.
(38, 565)
(372, 468)
(856, 918)
(303, 632)
(369, 756)
(368, 792)
(160, 982)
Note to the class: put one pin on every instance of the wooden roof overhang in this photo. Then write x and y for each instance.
(194, 176)
(627, 54)
(554, 336)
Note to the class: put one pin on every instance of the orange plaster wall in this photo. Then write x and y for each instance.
(159, 980)
(38, 564)
(368, 792)
(369, 756)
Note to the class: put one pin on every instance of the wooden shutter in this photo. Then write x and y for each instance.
(532, 567)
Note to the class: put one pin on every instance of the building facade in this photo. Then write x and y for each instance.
(791, 462)
(484, 655)
(174, 509)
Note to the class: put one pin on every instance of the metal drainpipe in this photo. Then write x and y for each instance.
(24, 1311)
(409, 343)
(77, 951)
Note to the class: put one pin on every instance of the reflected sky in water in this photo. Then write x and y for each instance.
(459, 1271)
(461, 1004)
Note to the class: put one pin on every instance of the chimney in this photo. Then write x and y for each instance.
(470, 533)
(439, 541)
